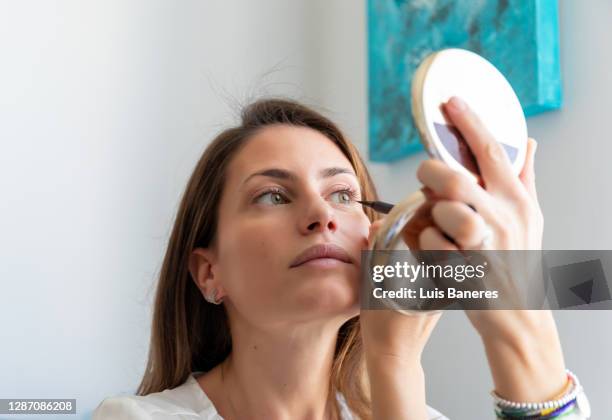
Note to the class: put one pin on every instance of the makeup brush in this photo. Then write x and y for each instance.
(379, 206)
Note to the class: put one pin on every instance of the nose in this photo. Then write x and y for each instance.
(319, 217)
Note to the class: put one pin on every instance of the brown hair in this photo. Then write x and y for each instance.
(189, 334)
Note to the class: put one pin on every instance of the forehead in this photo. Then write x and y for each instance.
(299, 149)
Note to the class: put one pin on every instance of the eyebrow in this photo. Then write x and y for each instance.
(288, 175)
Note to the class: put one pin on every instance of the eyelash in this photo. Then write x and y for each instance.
(350, 191)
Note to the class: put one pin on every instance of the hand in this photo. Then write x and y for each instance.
(522, 346)
(393, 344)
(393, 334)
(508, 204)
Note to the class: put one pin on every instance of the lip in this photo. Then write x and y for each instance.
(325, 251)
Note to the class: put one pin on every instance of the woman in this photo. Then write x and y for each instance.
(257, 308)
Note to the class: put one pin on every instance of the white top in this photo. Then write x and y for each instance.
(187, 401)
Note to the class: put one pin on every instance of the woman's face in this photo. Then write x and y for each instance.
(289, 189)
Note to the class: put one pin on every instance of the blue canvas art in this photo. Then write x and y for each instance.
(520, 37)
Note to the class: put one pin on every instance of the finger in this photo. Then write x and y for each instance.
(428, 193)
(431, 239)
(527, 175)
(460, 222)
(493, 162)
(449, 184)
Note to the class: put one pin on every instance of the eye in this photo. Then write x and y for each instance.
(272, 197)
(345, 196)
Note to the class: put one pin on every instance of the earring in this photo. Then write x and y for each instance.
(212, 298)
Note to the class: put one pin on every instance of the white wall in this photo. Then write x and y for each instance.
(105, 107)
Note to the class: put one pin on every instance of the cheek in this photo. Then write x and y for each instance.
(358, 228)
(251, 254)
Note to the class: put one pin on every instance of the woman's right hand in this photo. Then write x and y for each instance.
(394, 334)
(393, 345)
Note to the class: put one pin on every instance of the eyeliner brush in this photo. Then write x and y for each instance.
(379, 206)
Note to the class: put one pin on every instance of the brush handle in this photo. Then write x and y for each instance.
(379, 206)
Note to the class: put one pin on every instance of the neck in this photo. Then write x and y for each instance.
(281, 373)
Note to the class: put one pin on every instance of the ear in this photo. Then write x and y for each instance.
(201, 268)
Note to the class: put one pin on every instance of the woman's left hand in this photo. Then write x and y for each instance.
(506, 203)
(522, 346)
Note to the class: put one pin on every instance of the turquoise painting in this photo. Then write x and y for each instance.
(520, 37)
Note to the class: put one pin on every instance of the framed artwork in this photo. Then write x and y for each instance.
(520, 37)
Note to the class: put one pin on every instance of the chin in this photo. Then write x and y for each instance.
(329, 295)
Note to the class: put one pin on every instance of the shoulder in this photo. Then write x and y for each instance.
(186, 401)
(121, 408)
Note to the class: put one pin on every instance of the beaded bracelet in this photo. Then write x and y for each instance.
(555, 413)
(571, 398)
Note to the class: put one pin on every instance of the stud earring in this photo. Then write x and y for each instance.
(212, 298)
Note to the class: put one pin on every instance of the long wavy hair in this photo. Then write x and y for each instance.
(189, 334)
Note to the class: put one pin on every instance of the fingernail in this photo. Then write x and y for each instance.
(457, 104)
